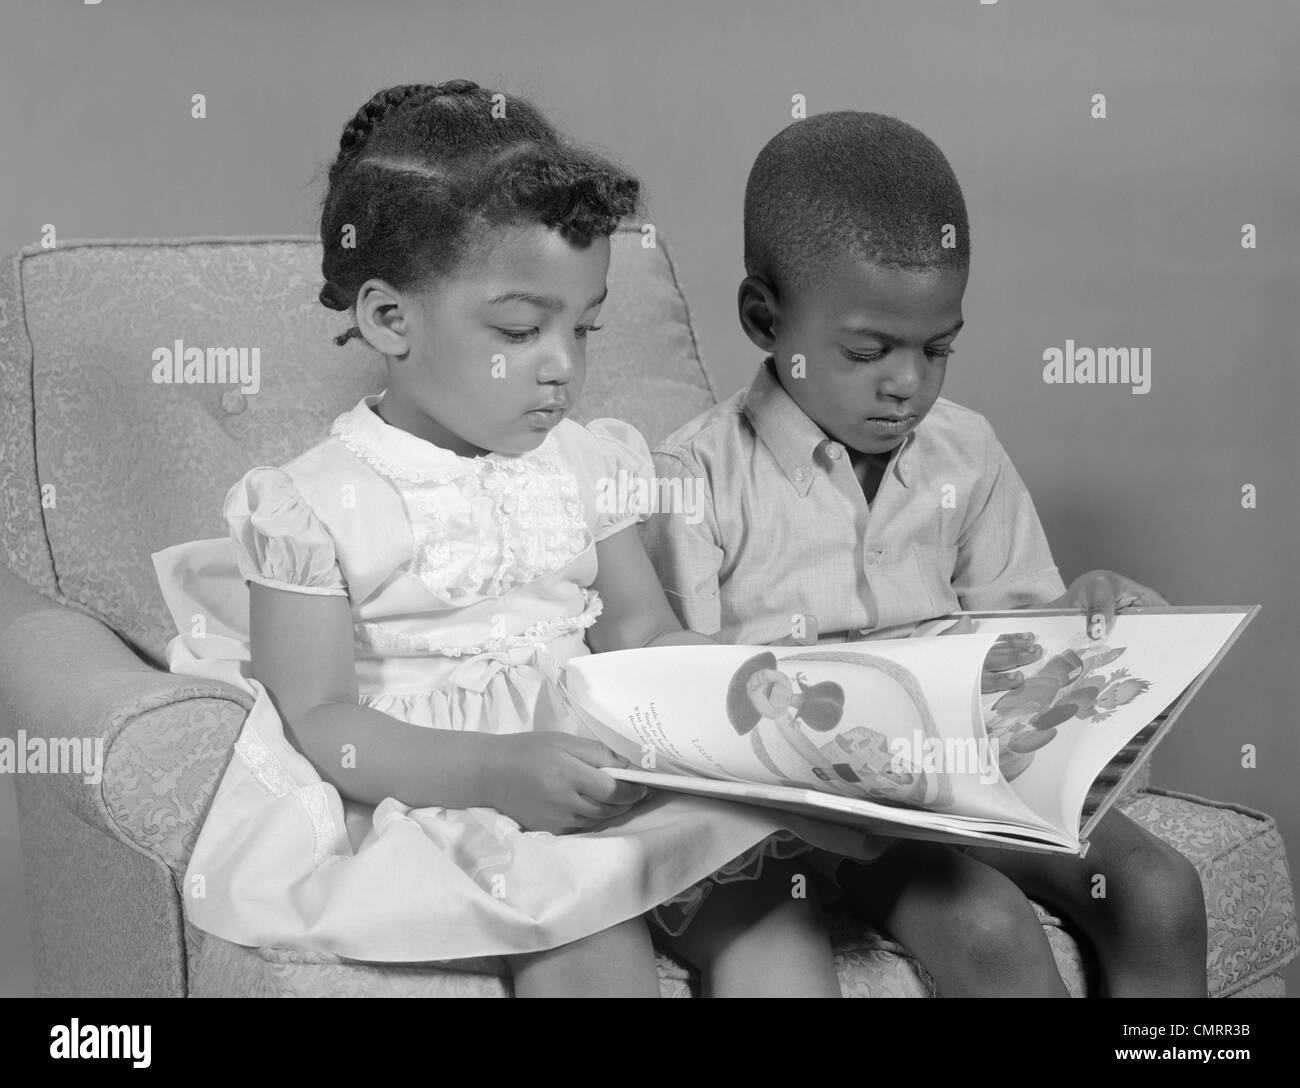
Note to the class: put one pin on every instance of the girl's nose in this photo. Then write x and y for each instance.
(561, 364)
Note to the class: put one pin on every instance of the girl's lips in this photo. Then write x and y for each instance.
(547, 416)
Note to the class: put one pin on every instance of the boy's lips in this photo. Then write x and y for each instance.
(891, 424)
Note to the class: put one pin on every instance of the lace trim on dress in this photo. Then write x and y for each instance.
(456, 466)
(267, 770)
(540, 633)
(509, 520)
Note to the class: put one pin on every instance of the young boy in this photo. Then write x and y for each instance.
(825, 518)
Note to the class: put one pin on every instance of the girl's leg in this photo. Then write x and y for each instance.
(616, 962)
(761, 938)
(969, 926)
(1145, 918)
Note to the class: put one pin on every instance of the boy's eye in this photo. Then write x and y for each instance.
(935, 353)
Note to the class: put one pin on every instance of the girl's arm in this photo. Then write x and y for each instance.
(302, 654)
(636, 611)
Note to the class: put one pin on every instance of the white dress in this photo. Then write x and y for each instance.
(469, 581)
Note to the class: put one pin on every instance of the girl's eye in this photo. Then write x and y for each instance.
(583, 330)
(942, 353)
(518, 336)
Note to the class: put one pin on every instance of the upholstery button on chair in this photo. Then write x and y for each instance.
(234, 401)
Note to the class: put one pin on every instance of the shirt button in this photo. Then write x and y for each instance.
(800, 475)
(834, 451)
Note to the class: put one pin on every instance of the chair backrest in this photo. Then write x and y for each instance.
(101, 464)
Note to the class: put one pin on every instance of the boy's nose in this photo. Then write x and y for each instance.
(904, 377)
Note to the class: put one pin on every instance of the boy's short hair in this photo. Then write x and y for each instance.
(864, 183)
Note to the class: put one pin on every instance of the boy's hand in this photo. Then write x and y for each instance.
(1102, 594)
(1009, 652)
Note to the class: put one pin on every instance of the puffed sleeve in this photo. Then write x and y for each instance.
(279, 541)
(625, 487)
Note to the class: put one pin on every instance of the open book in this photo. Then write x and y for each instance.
(895, 735)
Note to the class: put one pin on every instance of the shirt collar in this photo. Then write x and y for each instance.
(401, 455)
(798, 444)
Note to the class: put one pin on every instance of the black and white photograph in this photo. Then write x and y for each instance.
(670, 499)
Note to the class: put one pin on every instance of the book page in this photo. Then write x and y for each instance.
(894, 722)
(1083, 700)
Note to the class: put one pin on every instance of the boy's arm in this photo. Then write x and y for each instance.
(1003, 558)
(1004, 561)
(683, 543)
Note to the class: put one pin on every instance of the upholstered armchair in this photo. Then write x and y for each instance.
(100, 465)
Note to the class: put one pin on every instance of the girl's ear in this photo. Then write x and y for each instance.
(759, 311)
(383, 319)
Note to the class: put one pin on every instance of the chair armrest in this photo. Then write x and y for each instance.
(166, 739)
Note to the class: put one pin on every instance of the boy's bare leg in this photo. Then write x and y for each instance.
(616, 962)
(754, 938)
(969, 926)
(1148, 928)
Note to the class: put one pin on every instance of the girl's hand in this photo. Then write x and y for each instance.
(1008, 652)
(550, 781)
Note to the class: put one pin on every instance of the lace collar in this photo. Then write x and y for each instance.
(400, 455)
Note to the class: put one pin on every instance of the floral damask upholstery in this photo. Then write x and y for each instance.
(100, 466)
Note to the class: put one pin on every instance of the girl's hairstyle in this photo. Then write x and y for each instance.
(424, 169)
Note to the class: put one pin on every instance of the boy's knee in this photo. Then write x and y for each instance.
(1157, 892)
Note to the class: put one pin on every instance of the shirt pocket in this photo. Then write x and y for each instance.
(937, 563)
(700, 612)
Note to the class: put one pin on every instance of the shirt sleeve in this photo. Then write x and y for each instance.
(1003, 558)
(626, 483)
(278, 539)
(682, 541)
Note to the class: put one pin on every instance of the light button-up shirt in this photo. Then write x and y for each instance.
(782, 544)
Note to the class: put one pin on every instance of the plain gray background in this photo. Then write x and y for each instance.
(1115, 232)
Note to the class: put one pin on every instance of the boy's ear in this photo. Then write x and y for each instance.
(759, 311)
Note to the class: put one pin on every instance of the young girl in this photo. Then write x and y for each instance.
(409, 785)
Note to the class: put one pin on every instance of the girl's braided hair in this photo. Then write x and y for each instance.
(423, 168)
